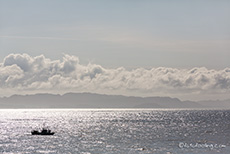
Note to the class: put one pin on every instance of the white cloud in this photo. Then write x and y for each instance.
(21, 73)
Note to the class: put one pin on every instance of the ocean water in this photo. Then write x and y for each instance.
(120, 131)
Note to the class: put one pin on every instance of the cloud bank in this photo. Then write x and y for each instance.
(21, 73)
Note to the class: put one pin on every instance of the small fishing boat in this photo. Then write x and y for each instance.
(44, 131)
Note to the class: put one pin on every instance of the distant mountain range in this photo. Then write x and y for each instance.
(89, 100)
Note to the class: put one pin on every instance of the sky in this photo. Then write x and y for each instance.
(141, 48)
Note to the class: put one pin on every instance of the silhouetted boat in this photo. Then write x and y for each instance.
(44, 131)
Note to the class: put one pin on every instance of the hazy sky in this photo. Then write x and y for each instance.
(179, 34)
(146, 33)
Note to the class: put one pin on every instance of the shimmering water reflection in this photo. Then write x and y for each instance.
(115, 131)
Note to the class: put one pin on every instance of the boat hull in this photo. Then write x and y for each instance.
(42, 133)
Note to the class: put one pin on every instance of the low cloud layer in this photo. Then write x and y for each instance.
(21, 73)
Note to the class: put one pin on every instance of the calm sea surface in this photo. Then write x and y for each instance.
(92, 131)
